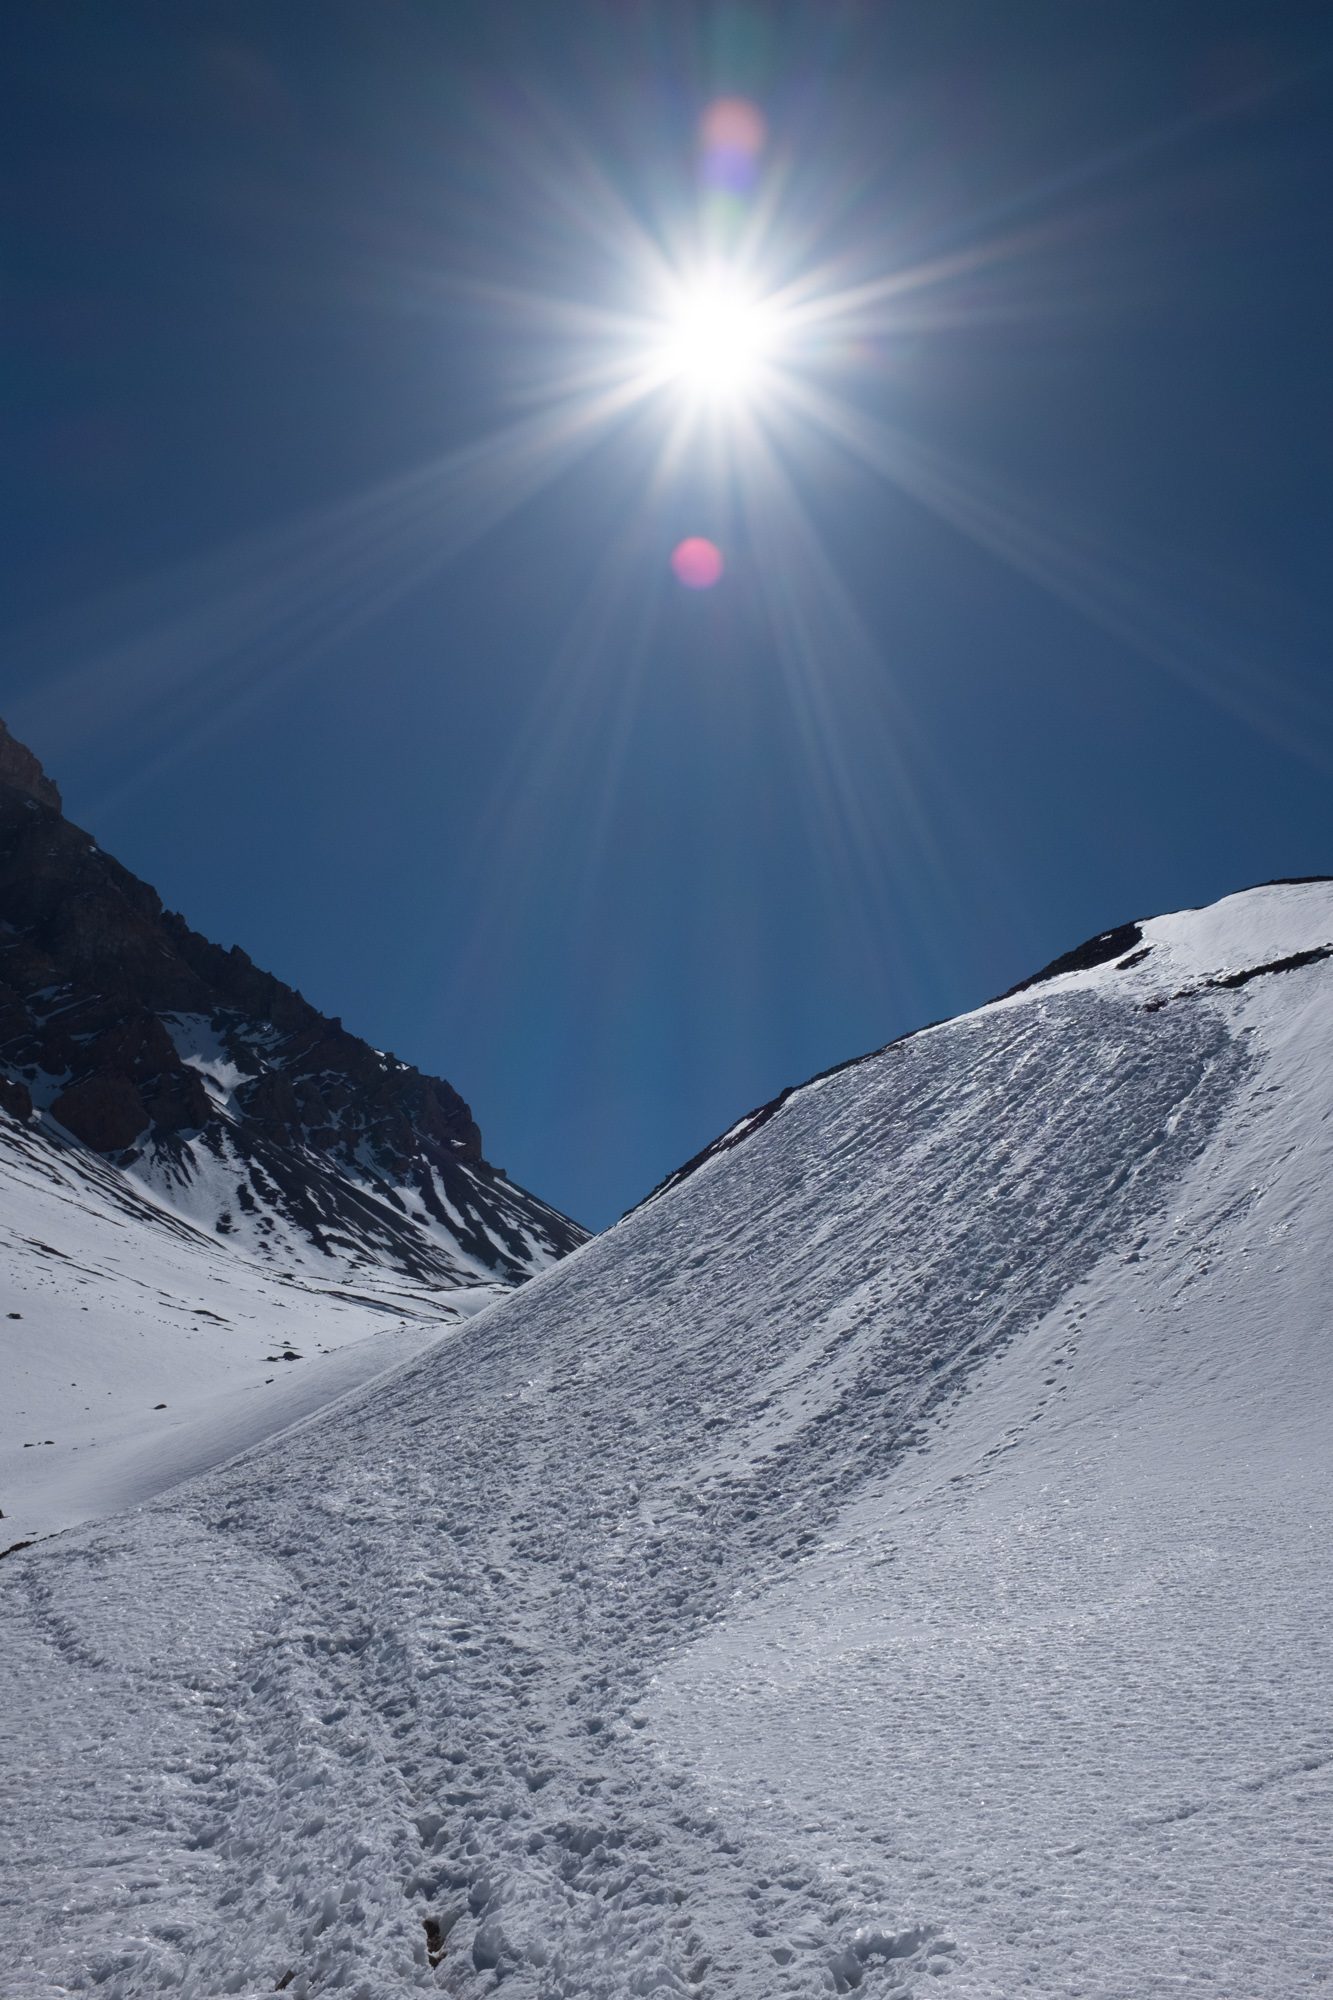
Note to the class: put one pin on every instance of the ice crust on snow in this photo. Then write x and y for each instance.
(897, 1554)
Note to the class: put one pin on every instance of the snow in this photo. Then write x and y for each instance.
(1253, 928)
(113, 1305)
(896, 1558)
(199, 1043)
(1066, 1669)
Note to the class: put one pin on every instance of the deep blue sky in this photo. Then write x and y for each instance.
(618, 860)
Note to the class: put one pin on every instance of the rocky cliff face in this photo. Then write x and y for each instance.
(20, 770)
(245, 1106)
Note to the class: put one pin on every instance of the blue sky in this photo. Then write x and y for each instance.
(321, 637)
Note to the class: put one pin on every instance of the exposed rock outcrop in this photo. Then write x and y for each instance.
(19, 768)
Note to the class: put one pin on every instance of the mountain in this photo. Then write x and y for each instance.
(895, 1558)
(221, 1092)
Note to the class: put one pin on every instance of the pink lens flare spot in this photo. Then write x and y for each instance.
(731, 139)
(732, 125)
(697, 563)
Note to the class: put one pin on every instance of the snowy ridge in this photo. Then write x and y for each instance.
(340, 1201)
(896, 1557)
(457, 1221)
(140, 1348)
(1252, 931)
(222, 1091)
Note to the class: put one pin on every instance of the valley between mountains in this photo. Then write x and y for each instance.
(895, 1558)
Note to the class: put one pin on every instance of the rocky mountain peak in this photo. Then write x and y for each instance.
(23, 771)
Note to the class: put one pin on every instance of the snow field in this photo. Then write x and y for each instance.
(894, 1560)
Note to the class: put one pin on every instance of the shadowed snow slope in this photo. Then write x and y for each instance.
(898, 1553)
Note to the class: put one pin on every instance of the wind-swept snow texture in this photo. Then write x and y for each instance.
(895, 1558)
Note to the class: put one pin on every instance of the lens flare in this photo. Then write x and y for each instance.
(731, 139)
(734, 122)
(697, 562)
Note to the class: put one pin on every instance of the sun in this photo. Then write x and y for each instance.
(719, 340)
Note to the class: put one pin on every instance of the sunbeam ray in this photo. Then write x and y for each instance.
(189, 645)
(1077, 570)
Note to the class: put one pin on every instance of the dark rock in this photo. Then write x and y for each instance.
(177, 1100)
(1097, 951)
(15, 1098)
(105, 1111)
(1295, 963)
(19, 768)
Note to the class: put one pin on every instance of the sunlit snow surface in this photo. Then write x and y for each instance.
(897, 1558)
(138, 1348)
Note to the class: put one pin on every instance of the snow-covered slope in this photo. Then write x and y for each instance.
(901, 1552)
(139, 1348)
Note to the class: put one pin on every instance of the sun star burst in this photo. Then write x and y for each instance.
(719, 340)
